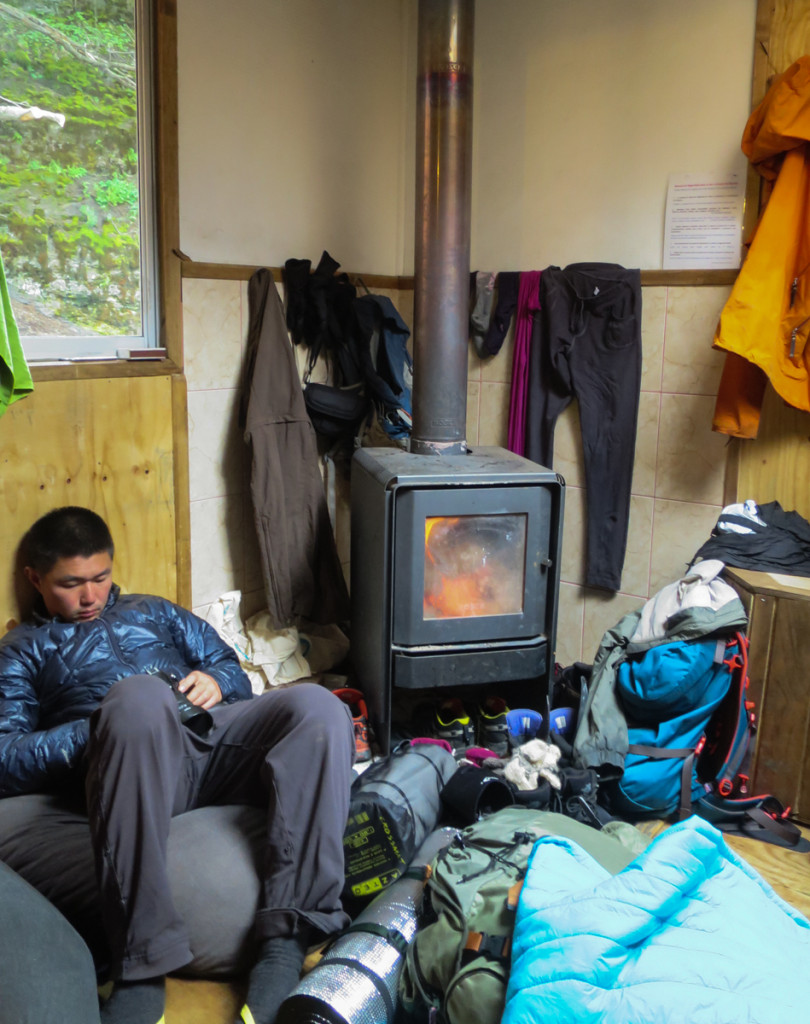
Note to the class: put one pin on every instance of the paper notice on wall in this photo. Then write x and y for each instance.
(703, 227)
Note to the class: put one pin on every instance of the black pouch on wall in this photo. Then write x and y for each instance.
(334, 412)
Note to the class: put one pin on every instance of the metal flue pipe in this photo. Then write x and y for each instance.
(442, 244)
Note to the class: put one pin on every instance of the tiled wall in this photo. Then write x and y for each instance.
(224, 550)
(677, 482)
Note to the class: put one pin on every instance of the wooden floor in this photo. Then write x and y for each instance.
(788, 872)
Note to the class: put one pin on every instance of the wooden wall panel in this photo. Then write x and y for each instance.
(790, 33)
(775, 466)
(106, 444)
(783, 751)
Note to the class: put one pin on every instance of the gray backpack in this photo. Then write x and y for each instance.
(458, 964)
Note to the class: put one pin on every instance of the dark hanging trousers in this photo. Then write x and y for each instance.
(586, 345)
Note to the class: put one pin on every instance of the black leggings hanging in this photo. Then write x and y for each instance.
(586, 344)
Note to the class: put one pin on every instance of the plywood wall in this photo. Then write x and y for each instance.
(106, 444)
(776, 466)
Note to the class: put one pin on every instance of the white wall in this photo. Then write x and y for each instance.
(296, 122)
(291, 122)
(582, 110)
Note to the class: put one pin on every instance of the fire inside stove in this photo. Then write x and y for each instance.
(474, 565)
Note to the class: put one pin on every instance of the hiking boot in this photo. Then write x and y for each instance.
(357, 705)
(493, 729)
(452, 723)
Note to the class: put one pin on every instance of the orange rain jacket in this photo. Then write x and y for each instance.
(765, 323)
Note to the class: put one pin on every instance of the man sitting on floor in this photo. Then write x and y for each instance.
(85, 698)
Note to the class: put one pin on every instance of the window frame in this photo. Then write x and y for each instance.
(164, 277)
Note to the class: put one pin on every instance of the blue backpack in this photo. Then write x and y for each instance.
(690, 728)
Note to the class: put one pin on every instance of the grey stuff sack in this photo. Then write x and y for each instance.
(394, 805)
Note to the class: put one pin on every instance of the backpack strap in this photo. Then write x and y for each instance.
(391, 935)
(378, 982)
(494, 947)
(758, 817)
(665, 753)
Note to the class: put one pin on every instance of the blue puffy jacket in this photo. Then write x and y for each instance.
(53, 674)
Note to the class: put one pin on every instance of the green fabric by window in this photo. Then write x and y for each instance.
(15, 377)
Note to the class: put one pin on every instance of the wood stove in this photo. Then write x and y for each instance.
(455, 554)
(454, 575)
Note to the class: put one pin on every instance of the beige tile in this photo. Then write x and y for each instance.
(653, 319)
(320, 371)
(473, 411)
(216, 548)
(499, 367)
(212, 333)
(574, 538)
(691, 460)
(602, 612)
(570, 611)
(493, 420)
(244, 308)
(691, 366)
(679, 529)
(574, 547)
(649, 408)
(568, 457)
(342, 526)
(216, 449)
(474, 362)
(636, 571)
(403, 300)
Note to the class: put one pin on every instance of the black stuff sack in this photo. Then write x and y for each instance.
(335, 412)
(395, 804)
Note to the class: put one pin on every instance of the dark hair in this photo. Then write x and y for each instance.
(65, 533)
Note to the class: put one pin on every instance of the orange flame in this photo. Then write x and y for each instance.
(458, 596)
(461, 596)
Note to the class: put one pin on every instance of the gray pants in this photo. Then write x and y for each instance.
(290, 750)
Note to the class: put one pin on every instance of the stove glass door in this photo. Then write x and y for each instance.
(470, 564)
(474, 565)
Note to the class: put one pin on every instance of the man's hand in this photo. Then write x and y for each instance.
(201, 689)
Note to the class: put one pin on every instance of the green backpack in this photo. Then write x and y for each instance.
(458, 964)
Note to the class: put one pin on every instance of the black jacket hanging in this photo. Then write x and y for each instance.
(781, 545)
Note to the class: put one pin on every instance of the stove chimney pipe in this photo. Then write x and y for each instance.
(442, 244)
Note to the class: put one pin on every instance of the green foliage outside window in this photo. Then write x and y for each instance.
(69, 211)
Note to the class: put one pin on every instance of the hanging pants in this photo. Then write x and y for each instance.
(289, 750)
(586, 345)
(528, 293)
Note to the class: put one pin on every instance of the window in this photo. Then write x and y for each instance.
(77, 226)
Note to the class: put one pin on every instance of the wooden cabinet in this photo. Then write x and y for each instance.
(779, 668)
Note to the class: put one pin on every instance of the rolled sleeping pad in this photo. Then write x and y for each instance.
(355, 982)
(394, 806)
